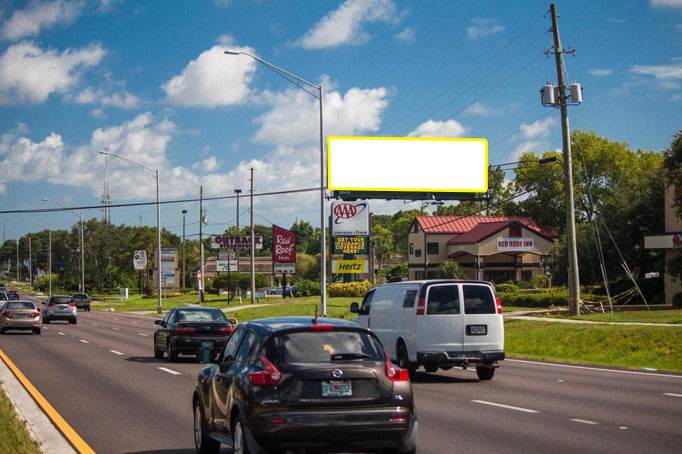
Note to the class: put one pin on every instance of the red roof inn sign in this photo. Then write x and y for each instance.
(515, 244)
(235, 242)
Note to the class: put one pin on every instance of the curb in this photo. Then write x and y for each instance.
(46, 425)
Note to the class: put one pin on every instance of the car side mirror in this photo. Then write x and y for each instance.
(43, 302)
(206, 356)
(354, 308)
(158, 322)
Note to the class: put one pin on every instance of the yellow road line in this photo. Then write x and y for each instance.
(71, 436)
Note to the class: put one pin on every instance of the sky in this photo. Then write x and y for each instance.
(150, 81)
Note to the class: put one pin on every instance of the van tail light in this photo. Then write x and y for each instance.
(7, 314)
(225, 330)
(421, 306)
(182, 329)
(498, 302)
(270, 375)
(395, 373)
(35, 314)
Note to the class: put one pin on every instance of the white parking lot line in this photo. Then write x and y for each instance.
(494, 404)
(116, 353)
(584, 421)
(170, 371)
(672, 394)
(84, 341)
(143, 334)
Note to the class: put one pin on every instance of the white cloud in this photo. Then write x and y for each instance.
(294, 115)
(666, 3)
(540, 128)
(207, 165)
(482, 27)
(600, 72)
(31, 74)
(28, 21)
(661, 72)
(478, 108)
(617, 21)
(531, 146)
(123, 100)
(213, 79)
(406, 36)
(344, 24)
(434, 128)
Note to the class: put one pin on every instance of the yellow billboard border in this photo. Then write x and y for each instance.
(437, 139)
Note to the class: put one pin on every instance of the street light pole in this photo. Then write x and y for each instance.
(30, 270)
(184, 212)
(18, 233)
(237, 250)
(81, 286)
(155, 174)
(298, 81)
(49, 252)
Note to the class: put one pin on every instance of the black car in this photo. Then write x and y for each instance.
(82, 301)
(185, 330)
(12, 294)
(304, 383)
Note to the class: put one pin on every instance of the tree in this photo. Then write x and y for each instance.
(382, 241)
(673, 169)
(450, 270)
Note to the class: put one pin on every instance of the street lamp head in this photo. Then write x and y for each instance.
(103, 152)
(237, 191)
(184, 211)
(230, 52)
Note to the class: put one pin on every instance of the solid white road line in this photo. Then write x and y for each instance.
(60, 333)
(526, 410)
(672, 394)
(84, 341)
(143, 334)
(115, 352)
(584, 421)
(593, 368)
(170, 371)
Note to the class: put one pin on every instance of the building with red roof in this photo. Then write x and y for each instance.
(493, 248)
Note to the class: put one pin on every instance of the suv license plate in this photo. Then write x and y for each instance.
(206, 344)
(337, 388)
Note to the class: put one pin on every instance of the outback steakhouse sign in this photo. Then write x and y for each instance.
(515, 244)
(350, 218)
(235, 241)
(284, 245)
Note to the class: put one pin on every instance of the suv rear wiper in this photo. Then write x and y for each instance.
(343, 356)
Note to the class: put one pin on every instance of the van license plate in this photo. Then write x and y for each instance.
(337, 388)
(477, 330)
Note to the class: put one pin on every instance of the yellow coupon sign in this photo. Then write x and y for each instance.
(349, 266)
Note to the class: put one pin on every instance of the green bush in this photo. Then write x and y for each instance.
(540, 300)
(677, 301)
(306, 288)
(394, 273)
(350, 289)
(539, 281)
(506, 288)
(43, 283)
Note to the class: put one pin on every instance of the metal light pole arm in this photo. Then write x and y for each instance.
(78, 214)
(148, 170)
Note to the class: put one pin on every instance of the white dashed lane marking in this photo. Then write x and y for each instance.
(115, 352)
(60, 333)
(584, 421)
(494, 404)
(672, 394)
(170, 371)
(143, 334)
(116, 329)
(84, 341)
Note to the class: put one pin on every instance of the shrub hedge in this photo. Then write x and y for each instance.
(305, 287)
(539, 300)
(350, 289)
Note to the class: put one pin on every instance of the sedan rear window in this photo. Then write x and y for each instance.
(60, 299)
(201, 316)
(20, 305)
(478, 299)
(323, 347)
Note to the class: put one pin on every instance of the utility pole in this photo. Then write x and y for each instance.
(30, 270)
(201, 244)
(237, 250)
(184, 212)
(253, 248)
(573, 278)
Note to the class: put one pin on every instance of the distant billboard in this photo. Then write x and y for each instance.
(407, 164)
(235, 241)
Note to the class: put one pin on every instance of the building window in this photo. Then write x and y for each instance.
(416, 227)
(432, 275)
(526, 275)
(411, 248)
(417, 252)
(515, 231)
(432, 248)
(419, 275)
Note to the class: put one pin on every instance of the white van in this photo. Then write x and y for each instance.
(437, 324)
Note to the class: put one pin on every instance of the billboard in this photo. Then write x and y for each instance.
(283, 245)
(168, 259)
(235, 242)
(350, 218)
(349, 245)
(407, 164)
(140, 260)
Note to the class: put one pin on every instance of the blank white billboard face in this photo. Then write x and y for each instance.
(407, 164)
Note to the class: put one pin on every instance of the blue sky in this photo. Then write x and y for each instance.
(149, 80)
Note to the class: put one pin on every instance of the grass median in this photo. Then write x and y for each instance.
(14, 436)
(655, 315)
(633, 347)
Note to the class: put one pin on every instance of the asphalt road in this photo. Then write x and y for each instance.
(101, 376)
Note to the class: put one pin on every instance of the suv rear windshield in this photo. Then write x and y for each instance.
(20, 305)
(478, 299)
(323, 347)
(80, 296)
(3, 296)
(60, 299)
(201, 316)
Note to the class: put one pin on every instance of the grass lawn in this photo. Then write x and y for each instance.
(519, 309)
(634, 347)
(14, 437)
(658, 315)
(140, 303)
(336, 308)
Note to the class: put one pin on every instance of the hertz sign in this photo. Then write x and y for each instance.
(349, 244)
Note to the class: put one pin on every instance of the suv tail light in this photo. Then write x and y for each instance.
(225, 330)
(35, 314)
(184, 330)
(7, 314)
(498, 303)
(72, 303)
(51, 304)
(269, 376)
(421, 306)
(395, 373)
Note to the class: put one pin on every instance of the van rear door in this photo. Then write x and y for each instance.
(440, 328)
(483, 326)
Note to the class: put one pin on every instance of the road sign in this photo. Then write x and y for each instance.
(235, 242)
(349, 244)
(224, 266)
(140, 260)
(350, 218)
(284, 268)
(168, 259)
(225, 255)
(284, 245)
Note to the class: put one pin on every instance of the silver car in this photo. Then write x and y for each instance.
(22, 315)
(60, 308)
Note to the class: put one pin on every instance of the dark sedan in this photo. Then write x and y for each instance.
(185, 330)
(301, 383)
